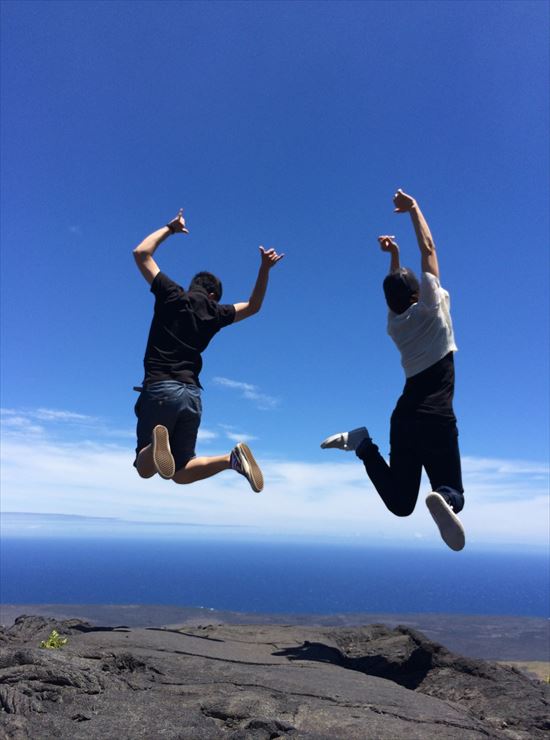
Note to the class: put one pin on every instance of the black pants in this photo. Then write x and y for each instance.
(430, 442)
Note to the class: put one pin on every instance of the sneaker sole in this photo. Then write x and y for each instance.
(354, 439)
(449, 525)
(334, 442)
(162, 457)
(251, 468)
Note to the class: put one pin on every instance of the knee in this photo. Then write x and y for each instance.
(402, 509)
(182, 478)
(145, 474)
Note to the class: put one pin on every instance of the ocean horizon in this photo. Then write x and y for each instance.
(271, 577)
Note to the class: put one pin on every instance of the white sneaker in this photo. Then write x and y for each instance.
(346, 440)
(242, 460)
(162, 455)
(450, 527)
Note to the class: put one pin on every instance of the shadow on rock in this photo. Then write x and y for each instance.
(409, 673)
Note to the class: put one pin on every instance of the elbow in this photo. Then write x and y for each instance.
(139, 256)
(253, 308)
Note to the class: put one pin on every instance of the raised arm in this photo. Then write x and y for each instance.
(269, 258)
(405, 203)
(143, 253)
(388, 244)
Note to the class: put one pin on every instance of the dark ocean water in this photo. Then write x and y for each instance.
(272, 577)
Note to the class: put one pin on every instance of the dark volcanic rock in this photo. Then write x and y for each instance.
(256, 683)
(499, 695)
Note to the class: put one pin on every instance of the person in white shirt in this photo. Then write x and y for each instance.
(423, 429)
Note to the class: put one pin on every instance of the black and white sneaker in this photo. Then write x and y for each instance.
(162, 455)
(449, 525)
(243, 462)
(347, 441)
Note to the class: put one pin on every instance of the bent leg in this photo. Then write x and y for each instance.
(155, 406)
(399, 482)
(144, 462)
(441, 458)
(199, 468)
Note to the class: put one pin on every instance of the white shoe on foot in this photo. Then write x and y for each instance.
(162, 455)
(449, 525)
(346, 440)
(242, 460)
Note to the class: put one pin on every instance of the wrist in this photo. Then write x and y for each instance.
(171, 228)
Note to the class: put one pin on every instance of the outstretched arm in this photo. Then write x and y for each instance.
(388, 244)
(405, 203)
(269, 258)
(143, 253)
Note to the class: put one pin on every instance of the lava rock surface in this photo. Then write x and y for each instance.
(258, 682)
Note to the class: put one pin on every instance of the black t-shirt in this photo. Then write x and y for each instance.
(430, 392)
(183, 324)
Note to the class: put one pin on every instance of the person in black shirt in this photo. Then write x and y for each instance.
(423, 429)
(169, 406)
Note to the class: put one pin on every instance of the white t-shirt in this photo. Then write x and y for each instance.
(424, 332)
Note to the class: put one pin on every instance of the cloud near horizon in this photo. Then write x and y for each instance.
(250, 392)
(506, 500)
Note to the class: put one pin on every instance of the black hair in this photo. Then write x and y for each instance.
(399, 288)
(208, 282)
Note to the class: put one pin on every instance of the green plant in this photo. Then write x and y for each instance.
(54, 641)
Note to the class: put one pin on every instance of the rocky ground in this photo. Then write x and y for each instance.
(491, 637)
(256, 682)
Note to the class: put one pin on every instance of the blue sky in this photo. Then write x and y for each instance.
(288, 124)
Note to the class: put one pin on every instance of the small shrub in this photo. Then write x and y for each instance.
(54, 641)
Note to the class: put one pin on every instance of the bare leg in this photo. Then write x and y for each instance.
(199, 468)
(145, 464)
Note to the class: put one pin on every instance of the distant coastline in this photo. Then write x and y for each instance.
(490, 637)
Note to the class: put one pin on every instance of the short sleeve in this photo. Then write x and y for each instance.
(226, 314)
(430, 290)
(164, 288)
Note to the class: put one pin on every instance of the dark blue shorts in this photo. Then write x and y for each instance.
(178, 407)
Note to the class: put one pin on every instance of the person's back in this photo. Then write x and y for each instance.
(169, 407)
(423, 333)
(183, 324)
(423, 432)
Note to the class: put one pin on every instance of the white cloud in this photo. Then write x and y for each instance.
(231, 432)
(503, 480)
(21, 424)
(506, 501)
(58, 415)
(206, 435)
(249, 391)
(236, 437)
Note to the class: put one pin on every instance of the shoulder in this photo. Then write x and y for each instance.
(163, 285)
(208, 309)
(431, 293)
(430, 280)
(226, 314)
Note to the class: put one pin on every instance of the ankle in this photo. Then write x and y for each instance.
(365, 448)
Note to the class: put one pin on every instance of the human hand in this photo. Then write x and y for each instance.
(177, 224)
(388, 243)
(403, 202)
(269, 257)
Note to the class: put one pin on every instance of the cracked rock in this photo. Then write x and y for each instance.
(257, 683)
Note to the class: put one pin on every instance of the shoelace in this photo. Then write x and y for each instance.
(235, 462)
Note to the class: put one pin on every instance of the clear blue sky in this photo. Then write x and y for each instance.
(279, 123)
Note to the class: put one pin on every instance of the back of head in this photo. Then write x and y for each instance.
(401, 289)
(208, 282)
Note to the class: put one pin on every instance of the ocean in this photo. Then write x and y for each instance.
(271, 576)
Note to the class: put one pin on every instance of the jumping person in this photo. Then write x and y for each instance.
(423, 430)
(169, 406)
